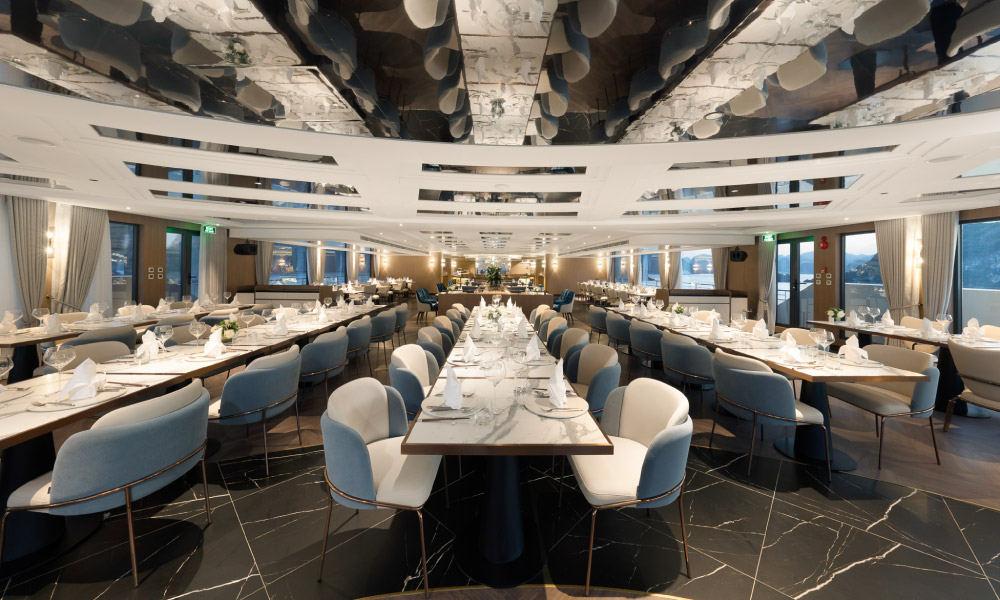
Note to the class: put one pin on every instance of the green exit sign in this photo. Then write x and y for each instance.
(209, 229)
(768, 237)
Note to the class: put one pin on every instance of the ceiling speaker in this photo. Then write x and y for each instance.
(737, 255)
(247, 249)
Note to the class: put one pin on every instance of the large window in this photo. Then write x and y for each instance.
(365, 265)
(862, 282)
(124, 262)
(620, 266)
(649, 270)
(183, 248)
(979, 274)
(335, 269)
(289, 265)
(696, 270)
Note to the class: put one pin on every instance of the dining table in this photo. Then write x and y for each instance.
(498, 550)
(807, 444)
(32, 410)
(950, 384)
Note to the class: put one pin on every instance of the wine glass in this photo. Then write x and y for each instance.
(493, 371)
(874, 311)
(171, 299)
(267, 313)
(186, 298)
(16, 315)
(297, 307)
(944, 321)
(58, 358)
(6, 364)
(660, 303)
(818, 336)
(227, 296)
(308, 306)
(328, 301)
(197, 329)
(246, 318)
(163, 333)
(39, 314)
(103, 307)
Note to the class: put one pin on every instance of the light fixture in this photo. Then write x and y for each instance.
(715, 115)
(35, 141)
(128, 208)
(847, 218)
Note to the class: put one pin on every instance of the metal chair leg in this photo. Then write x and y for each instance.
(131, 537)
(423, 554)
(829, 465)
(881, 438)
(947, 414)
(326, 390)
(684, 537)
(204, 480)
(326, 534)
(715, 420)
(752, 439)
(298, 426)
(876, 426)
(368, 357)
(930, 421)
(267, 466)
(590, 551)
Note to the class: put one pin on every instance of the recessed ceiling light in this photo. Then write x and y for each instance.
(36, 141)
(128, 208)
(595, 226)
(715, 115)
(847, 218)
(944, 159)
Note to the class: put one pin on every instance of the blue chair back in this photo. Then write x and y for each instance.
(762, 391)
(598, 318)
(359, 335)
(402, 314)
(441, 287)
(618, 329)
(434, 349)
(261, 386)
(686, 362)
(383, 326)
(325, 352)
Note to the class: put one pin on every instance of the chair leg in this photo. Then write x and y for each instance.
(423, 553)
(829, 465)
(947, 414)
(3, 531)
(368, 357)
(684, 537)
(590, 551)
(131, 536)
(715, 420)
(326, 533)
(752, 439)
(876, 426)
(298, 426)
(881, 438)
(326, 390)
(204, 480)
(267, 466)
(930, 421)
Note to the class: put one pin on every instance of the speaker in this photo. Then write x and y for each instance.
(737, 255)
(245, 249)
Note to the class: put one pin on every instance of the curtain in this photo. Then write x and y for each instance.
(939, 237)
(100, 286)
(317, 264)
(352, 264)
(212, 258)
(8, 271)
(663, 264)
(674, 273)
(262, 262)
(765, 279)
(720, 266)
(29, 222)
(376, 264)
(896, 242)
(78, 236)
(633, 269)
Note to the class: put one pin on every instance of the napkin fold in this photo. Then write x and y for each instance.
(7, 324)
(482, 303)
(790, 350)
(713, 315)
(370, 303)
(887, 319)
(621, 303)
(852, 351)
(452, 390)
(196, 307)
(926, 327)
(321, 314)
(522, 328)
(973, 322)
(510, 303)
(476, 330)
(340, 302)
(557, 387)
(852, 319)
(94, 313)
(716, 333)
(149, 348)
(52, 324)
(532, 352)
(469, 350)
(235, 301)
(83, 384)
(214, 346)
(162, 306)
(760, 331)
(643, 312)
(281, 324)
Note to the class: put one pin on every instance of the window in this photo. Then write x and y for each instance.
(364, 265)
(124, 261)
(696, 270)
(620, 269)
(862, 283)
(182, 263)
(335, 270)
(649, 270)
(978, 273)
(795, 292)
(289, 265)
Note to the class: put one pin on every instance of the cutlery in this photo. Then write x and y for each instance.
(129, 384)
(445, 408)
(558, 408)
(53, 403)
(432, 419)
(464, 394)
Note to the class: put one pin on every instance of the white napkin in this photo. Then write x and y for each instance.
(149, 348)
(522, 328)
(83, 384)
(973, 333)
(214, 346)
(621, 303)
(281, 324)
(196, 307)
(7, 324)
(370, 303)
(235, 301)
(510, 303)
(973, 322)
(760, 331)
(887, 319)
(532, 352)
(452, 390)
(557, 387)
(852, 352)
(642, 310)
(476, 331)
(340, 302)
(162, 306)
(790, 350)
(350, 307)
(94, 314)
(852, 319)
(321, 314)
(713, 315)
(926, 327)
(482, 303)
(52, 324)
(716, 330)
(289, 313)
(469, 350)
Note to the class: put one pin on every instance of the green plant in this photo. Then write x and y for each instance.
(493, 276)
(677, 308)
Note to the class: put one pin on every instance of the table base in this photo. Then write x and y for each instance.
(839, 461)
(807, 445)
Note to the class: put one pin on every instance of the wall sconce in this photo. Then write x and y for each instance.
(442, 263)
(49, 250)
(453, 264)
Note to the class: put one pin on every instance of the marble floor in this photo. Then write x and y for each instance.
(779, 533)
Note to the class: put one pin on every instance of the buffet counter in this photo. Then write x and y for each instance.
(285, 294)
(528, 301)
(725, 302)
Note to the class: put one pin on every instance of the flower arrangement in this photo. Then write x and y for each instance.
(677, 308)
(835, 313)
(229, 329)
(493, 315)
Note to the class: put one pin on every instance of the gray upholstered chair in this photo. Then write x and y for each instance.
(126, 455)
(402, 314)
(383, 327)
(978, 369)
(359, 335)
(436, 336)
(593, 372)
(549, 329)
(751, 390)
(686, 362)
(98, 352)
(542, 316)
(644, 343)
(567, 339)
(894, 398)
(598, 321)
(423, 308)
(649, 426)
(180, 324)
(456, 317)
(323, 358)
(448, 327)
(124, 334)
(412, 371)
(619, 332)
(567, 307)
(217, 316)
(363, 429)
(267, 387)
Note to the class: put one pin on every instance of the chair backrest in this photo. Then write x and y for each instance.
(593, 358)
(618, 327)
(686, 357)
(436, 350)
(274, 360)
(98, 352)
(124, 334)
(359, 334)
(701, 315)
(223, 312)
(598, 317)
(430, 334)
(991, 331)
(441, 287)
(751, 384)
(175, 320)
(402, 314)
(900, 358)
(639, 324)
(572, 337)
(648, 407)
(801, 336)
(978, 367)
(454, 313)
(71, 317)
(383, 324)
(325, 352)
(103, 457)
(270, 381)
(676, 338)
(447, 324)
(413, 358)
(552, 325)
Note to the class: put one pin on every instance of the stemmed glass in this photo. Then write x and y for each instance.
(297, 307)
(6, 364)
(58, 358)
(660, 304)
(246, 318)
(874, 312)
(197, 329)
(227, 296)
(944, 320)
(163, 333)
(186, 298)
(16, 315)
(103, 307)
(39, 314)
(864, 311)
(328, 301)
(129, 306)
(493, 371)
(308, 306)
(827, 340)
(267, 313)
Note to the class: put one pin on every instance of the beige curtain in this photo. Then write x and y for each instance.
(77, 261)
(765, 279)
(262, 262)
(317, 265)
(352, 265)
(663, 263)
(939, 237)
(896, 241)
(212, 259)
(29, 222)
(674, 273)
(720, 266)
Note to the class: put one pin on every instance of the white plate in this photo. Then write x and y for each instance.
(538, 405)
(99, 398)
(469, 400)
(203, 358)
(867, 364)
(9, 394)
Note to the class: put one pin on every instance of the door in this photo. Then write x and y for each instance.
(795, 291)
(183, 247)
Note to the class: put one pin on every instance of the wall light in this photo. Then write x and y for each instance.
(49, 250)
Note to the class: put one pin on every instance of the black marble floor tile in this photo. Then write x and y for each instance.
(733, 466)
(981, 528)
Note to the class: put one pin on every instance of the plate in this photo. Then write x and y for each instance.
(538, 405)
(476, 404)
(203, 358)
(9, 394)
(868, 364)
(99, 398)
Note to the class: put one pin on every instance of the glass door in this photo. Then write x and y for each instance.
(183, 247)
(795, 292)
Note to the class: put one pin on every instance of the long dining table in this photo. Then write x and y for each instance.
(494, 551)
(807, 444)
(30, 412)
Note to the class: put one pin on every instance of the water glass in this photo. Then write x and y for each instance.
(197, 329)
(39, 314)
(58, 358)
(227, 296)
(6, 364)
(163, 333)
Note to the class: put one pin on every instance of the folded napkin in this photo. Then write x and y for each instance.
(7, 324)
(52, 324)
(973, 330)
(281, 324)
(790, 350)
(522, 328)
(716, 333)
(713, 315)
(621, 303)
(370, 303)
(95, 313)
(510, 303)
(149, 348)
(887, 319)
(162, 306)
(196, 307)
(557, 387)
(350, 307)
(852, 352)
(476, 331)
(642, 310)
(214, 346)
(926, 327)
(235, 301)
(532, 352)
(452, 390)
(482, 302)
(852, 319)
(83, 384)
(973, 322)
(760, 331)
(321, 314)
(469, 350)
(340, 302)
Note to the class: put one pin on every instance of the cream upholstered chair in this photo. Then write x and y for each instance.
(71, 317)
(801, 336)
(363, 429)
(434, 335)
(649, 426)
(978, 369)
(751, 390)
(916, 323)
(412, 371)
(701, 315)
(550, 326)
(889, 19)
(568, 339)
(128, 311)
(991, 331)
(593, 372)
(973, 23)
(98, 352)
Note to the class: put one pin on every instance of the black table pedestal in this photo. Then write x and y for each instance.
(807, 445)
(498, 556)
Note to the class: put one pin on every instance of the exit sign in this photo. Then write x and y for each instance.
(768, 237)
(209, 229)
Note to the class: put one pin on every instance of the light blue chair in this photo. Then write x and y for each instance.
(402, 314)
(649, 426)
(124, 334)
(750, 390)
(686, 362)
(359, 335)
(126, 455)
(98, 352)
(618, 332)
(435, 349)
(267, 387)
(551, 329)
(598, 321)
(593, 371)
(363, 428)
(412, 371)
(435, 335)
(644, 343)
(323, 358)
(383, 328)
